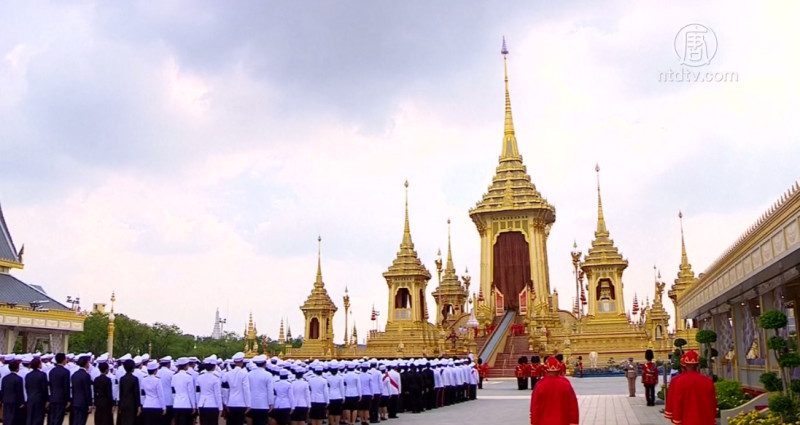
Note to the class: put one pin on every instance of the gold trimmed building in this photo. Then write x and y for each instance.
(451, 296)
(759, 272)
(318, 311)
(408, 332)
(27, 314)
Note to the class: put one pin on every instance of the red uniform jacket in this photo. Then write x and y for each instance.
(563, 367)
(553, 402)
(521, 371)
(483, 370)
(691, 400)
(650, 374)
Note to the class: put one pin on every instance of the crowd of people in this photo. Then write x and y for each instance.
(139, 390)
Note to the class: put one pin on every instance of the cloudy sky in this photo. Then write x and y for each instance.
(187, 154)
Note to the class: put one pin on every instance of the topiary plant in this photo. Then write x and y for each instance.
(771, 382)
(680, 342)
(707, 337)
(773, 319)
(783, 405)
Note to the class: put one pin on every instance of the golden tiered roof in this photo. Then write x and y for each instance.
(407, 263)
(319, 300)
(511, 187)
(686, 277)
(603, 252)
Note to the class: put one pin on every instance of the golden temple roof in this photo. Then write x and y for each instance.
(319, 298)
(511, 187)
(407, 262)
(603, 252)
(686, 275)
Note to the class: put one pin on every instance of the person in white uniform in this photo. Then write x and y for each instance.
(209, 394)
(262, 395)
(154, 404)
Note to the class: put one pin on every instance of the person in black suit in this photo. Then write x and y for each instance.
(130, 402)
(38, 393)
(81, 393)
(59, 391)
(13, 396)
(103, 398)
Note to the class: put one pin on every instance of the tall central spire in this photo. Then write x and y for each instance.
(510, 150)
(449, 265)
(602, 230)
(684, 257)
(318, 283)
(407, 243)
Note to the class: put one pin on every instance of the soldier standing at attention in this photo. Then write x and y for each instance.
(630, 375)
(650, 378)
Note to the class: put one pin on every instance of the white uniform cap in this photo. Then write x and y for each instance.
(181, 361)
(260, 359)
(152, 366)
(137, 360)
(209, 360)
(125, 357)
(238, 357)
(165, 359)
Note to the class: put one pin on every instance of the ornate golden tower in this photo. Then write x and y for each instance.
(657, 321)
(318, 311)
(250, 338)
(513, 221)
(686, 279)
(603, 266)
(407, 318)
(281, 334)
(111, 318)
(450, 295)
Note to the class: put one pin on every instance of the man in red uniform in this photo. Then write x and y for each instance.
(650, 378)
(553, 402)
(691, 399)
(483, 372)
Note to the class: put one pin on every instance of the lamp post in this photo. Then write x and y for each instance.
(346, 299)
(75, 303)
(111, 317)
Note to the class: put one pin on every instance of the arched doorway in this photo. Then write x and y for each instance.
(313, 329)
(402, 299)
(512, 267)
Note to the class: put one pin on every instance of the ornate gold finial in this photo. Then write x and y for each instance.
(449, 250)
(601, 221)
(684, 257)
(318, 282)
(407, 229)
(510, 150)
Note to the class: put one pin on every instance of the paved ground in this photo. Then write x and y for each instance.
(601, 401)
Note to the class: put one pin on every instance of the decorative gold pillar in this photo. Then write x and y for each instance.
(111, 317)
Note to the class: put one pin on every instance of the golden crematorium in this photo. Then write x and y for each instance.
(515, 312)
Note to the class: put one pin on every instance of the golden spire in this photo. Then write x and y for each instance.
(281, 334)
(450, 265)
(510, 150)
(407, 262)
(685, 272)
(407, 243)
(601, 221)
(318, 283)
(603, 251)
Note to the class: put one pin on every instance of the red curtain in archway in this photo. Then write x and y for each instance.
(512, 266)
(314, 329)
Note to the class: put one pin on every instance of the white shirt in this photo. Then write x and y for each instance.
(184, 394)
(376, 381)
(262, 394)
(392, 378)
(352, 384)
(238, 387)
(165, 375)
(366, 383)
(153, 393)
(301, 393)
(284, 396)
(209, 391)
(336, 388)
(319, 389)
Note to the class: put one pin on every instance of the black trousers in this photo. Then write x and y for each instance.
(235, 415)
(650, 394)
(259, 416)
(35, 413)
(79, 415)
(392, 407)
(183, 416)
(522, 383)
(373, 409)
(10, 413)
(57, 413)
(209, 416)
(480, 383)
(166, 419)
(151, 416)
